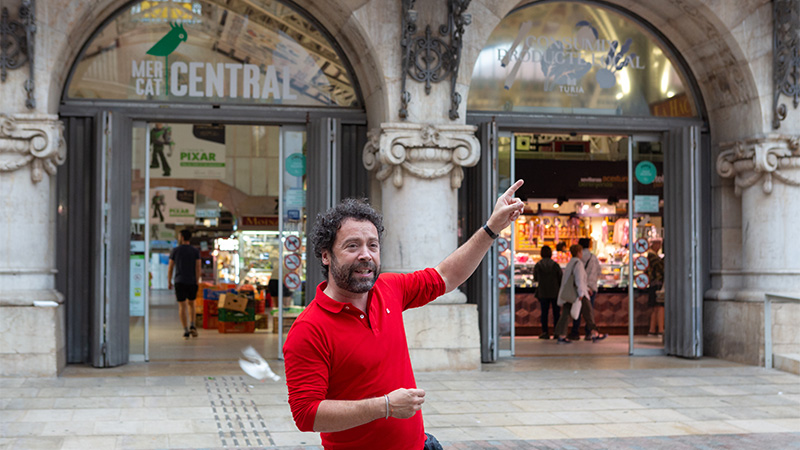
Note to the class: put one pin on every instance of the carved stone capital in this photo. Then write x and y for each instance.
(423, 151)
(752, 160)
(32, 139)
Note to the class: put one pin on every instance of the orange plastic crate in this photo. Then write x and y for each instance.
(236, 327)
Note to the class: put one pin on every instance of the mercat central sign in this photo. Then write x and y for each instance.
(202, 79)
(205, 79)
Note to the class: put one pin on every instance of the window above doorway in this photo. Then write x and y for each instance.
(578, 58)
(251, 52)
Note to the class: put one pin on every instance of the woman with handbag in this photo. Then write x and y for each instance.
(573, 297)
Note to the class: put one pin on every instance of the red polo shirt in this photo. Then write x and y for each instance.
(333, 352)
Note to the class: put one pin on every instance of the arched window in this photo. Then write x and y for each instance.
(577, 58)
(213, 51)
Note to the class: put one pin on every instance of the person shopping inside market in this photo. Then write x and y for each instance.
(573, 289)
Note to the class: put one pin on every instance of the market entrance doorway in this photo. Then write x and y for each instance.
(614, 194)
(240, 191)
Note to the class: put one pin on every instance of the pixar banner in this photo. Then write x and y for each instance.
(187, 151)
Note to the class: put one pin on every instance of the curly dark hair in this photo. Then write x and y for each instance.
(323, 235)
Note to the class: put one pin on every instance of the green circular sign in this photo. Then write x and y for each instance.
(296, 164)
(646, 172)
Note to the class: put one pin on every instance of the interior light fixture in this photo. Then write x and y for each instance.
(596, 205)
(560, 201)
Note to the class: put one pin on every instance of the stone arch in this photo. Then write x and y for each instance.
(727, 83)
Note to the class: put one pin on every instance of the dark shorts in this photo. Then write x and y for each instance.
(185, 291)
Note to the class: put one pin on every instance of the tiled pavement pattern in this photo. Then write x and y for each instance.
(523, 403)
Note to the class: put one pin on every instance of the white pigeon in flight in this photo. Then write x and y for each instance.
(256, 366)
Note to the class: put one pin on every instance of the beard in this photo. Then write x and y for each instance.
(345, 276)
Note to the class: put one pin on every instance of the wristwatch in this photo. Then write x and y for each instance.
(489, 231)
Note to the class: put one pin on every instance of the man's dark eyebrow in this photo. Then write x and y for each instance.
(358, 239)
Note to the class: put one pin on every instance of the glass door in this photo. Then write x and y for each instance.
(293, 227)
(139, 249)
(504, 252)
(645, 244)
(241, 191)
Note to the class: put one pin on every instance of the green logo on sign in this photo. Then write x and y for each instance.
(296, 164)
(167, 45)
(646, 172)
(169, 42)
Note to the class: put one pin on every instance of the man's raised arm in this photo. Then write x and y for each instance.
(459, 265)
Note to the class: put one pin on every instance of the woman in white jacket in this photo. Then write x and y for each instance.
(569, 293)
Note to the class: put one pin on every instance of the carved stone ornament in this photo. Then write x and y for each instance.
(423, 151)
(32, 139)
(750, 161)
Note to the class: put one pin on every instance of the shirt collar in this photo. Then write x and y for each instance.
(328, 303)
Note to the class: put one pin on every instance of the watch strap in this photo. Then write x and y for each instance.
(489, 231)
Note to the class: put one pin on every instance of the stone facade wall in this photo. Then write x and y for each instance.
(726, 45)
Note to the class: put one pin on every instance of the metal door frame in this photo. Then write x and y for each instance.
(114, 121)
(589, 124)
(633, 138)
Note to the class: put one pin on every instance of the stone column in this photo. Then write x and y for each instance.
(420, 170)
(766, 173)
(31, 315)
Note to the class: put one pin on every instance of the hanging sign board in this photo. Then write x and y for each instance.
(171, 206)
(258, 223)
(177, 151)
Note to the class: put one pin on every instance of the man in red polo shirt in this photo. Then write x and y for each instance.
(347, 365)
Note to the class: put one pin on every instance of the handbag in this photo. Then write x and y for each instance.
(568, 293)
(575, 311)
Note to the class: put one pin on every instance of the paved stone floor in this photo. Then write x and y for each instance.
(576, 402)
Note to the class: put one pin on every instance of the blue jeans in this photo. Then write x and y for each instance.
(431, 443)
(576, 324)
